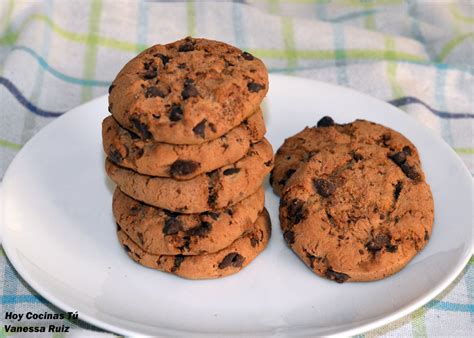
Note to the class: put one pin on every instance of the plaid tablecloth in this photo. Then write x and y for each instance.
(55, 55)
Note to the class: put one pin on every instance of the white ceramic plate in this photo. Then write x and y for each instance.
(59, 234)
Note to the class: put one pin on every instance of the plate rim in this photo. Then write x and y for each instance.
(397, 314)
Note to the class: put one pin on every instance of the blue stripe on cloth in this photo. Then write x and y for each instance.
(320, 10)
(440, 85)
(24, 101)
(451, 307)
(238, 26)
(406, 100)
(15, 299)
(339, 45)
(142, 29)
(59, 74)
(10, 284)
(351, 16)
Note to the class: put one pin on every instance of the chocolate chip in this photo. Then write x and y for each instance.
(172, 226)
(182, 66)
(384, 140)
(178, 259)
(324, 187)
(398, 189)
(125, 246)
(140, 238)
(356, 156)
(378, 242)
(141, 127)
(407, 150)
(135, 209)
(287, 176)
(399, 158)
(254, 241)
(212, 194)
(295, 211)
(132, 134)
(150, 74)
(311, 259)
(326, 121)
(187, 46)
(231, 171)
(164, 59)
(391, 248)
(427, 236)
(410, 171)
(212, 214)
(254, 87)
(233, 259)
(176, 113)
(247, 56)
(213, 127)
(153, 92)
(189, 90)
(183, 167)
(199, 128)
(115, 155)
(111, 87)
(268, 163)
(271, 178)
(229, 212)
(201, 230)
(338, 277)
(289, 237)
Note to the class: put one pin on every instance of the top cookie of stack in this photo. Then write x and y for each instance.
(187, 92)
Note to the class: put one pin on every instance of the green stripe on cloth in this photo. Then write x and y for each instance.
(418, 322)
(90, 58)
(8, 16)
(353, 54)
(454, 10)
(392, 68)
(10, 38)
(289, 42)
(370, 18)
(191, 17)
(464, 151)
(453, 43)
(11, 145)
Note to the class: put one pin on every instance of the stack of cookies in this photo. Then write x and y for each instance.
(185, 145)
(354, 205)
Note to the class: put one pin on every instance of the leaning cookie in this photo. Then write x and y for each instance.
(213, 265)
(358, 211)
(158, 231)
(187, 92)
(179, 161)
(214, 190)
(300, 147)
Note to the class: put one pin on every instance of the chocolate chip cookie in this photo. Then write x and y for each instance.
(158, 231)
(179, 161)
(359, 210)
(187, 92)
(217, 189)
(213, 265)
(300, 147)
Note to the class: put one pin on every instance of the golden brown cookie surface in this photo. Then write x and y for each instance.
(179, 161)
(225, 262)
(158, 231)
(187, 92)
(218, 189)
(359, 210)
